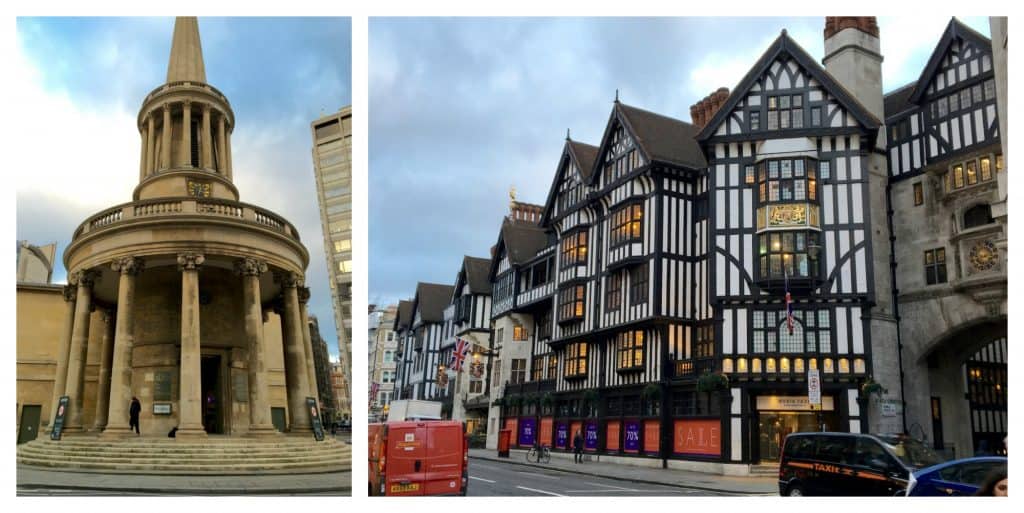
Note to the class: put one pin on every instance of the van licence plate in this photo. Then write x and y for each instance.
(402, 488)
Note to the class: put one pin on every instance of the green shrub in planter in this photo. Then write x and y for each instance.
(710, 382)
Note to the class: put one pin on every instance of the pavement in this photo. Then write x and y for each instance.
(40, 481)
(490, 475)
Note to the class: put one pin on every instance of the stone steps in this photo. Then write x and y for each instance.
(212, 456)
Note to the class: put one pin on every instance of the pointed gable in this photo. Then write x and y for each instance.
(961, 53)
(574, 169)
(474, 274)
(519, 242)
(431, 300)
(785, 65)
(404, 317)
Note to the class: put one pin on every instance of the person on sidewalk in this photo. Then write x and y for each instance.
(577, 447)
(133, 414)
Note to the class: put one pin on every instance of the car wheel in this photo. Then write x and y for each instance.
(795, 491)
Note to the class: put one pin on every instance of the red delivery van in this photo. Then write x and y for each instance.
(408, 458)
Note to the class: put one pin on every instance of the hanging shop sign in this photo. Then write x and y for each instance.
(814, 387)
(700, 437)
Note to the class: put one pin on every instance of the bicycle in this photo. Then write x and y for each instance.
(539, 455)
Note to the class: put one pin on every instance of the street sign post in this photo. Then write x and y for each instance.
(814, 394)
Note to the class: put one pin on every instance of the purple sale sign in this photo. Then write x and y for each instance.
(590, 442)
(527, 431)
(632, 438)
(562, 435)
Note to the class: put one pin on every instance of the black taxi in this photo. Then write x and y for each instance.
(849, 464)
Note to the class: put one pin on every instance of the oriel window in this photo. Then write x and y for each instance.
(574, 248)
(576, 360)
(613, 293)
(626, 224)
(630, 353)
(638, 285)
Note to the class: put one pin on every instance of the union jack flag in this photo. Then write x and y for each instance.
(458, 355)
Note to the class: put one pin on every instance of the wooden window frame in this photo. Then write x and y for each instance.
(574, 248)
(613, 293)
(627, 224)
(630, 350)
(935, 271)
(571, 303)
(638, 284)
(575, 364)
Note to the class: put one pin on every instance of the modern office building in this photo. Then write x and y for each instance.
(332, 163)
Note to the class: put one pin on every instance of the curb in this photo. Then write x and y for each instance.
(630, 479)
(189, 491)
(73, 470)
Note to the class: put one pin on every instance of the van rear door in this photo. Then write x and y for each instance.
(407, 449)
(443, 466)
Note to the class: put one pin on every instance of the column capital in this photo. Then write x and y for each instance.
(190, 261)
(166, 106)
(84, 277)
(187, 102)
(70, 292)
(128, 265)
(250, 267)
(303, 295)
(206, 107)
(288, 280)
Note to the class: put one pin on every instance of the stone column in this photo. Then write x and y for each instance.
(103, 379)
(142, 153)
(186, 134)
(61, 378)
(227, 154)
(207, 138)
(307, 344)
(165, 132)
(222, 159)
(190, 400)
(260, 423)
(77, 354)
(150, 144)
(294, 354)
(124, 340)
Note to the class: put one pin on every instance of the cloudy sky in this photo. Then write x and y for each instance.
(81, 81)
(462, 109)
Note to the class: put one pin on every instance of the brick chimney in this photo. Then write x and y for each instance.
(702, 111)
(865, 24)
(524, 212)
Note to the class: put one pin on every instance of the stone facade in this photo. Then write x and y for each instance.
(185, 297)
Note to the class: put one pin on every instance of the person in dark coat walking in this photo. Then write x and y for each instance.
(133, 414)
(577, 447)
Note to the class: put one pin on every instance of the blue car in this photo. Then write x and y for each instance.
(953, 478)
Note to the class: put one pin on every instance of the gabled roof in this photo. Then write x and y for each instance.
(431, 300)
(521, 241)
(898, 101)
(581, 154)
(475, 271)
(954, 30)
(404, 317)
(786, 45)
(660, 138)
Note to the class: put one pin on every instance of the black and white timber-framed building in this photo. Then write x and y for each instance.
(661, 259)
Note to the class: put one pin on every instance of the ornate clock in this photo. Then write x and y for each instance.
(984, 255)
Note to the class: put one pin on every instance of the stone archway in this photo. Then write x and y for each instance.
(944, 404)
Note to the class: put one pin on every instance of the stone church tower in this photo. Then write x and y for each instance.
(189, 276)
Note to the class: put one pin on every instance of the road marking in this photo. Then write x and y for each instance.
(538, 475)
(607, 486)
(482, 479)
(541, 491)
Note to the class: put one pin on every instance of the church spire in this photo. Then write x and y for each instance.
(186, 63)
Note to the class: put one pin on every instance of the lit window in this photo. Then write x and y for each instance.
(741, 365)
(727, 365)
(844, 366)
(342, 245)
(626, 223)
(935, 266)
(630, 350)
(576, 360)
(345, 266)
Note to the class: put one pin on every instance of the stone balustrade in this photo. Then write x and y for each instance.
(185, 207)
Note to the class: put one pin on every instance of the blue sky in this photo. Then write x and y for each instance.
(463, 108)
(83, 80)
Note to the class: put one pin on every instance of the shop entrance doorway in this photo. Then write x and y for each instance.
(773, 426)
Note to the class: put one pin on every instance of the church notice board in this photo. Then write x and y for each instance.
(162, 381)
(314, 419)
(58, 420)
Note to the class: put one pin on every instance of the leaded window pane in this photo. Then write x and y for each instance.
(798, 167)
(799, 190)
(798, 118)
(825, 341)
(787, 168)
(954, 103)
(976, 93)
(773, 169)
(823, 319)
(811, 341)
(772, 342)
(758, 319)
(758, 341)
(825, 170)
